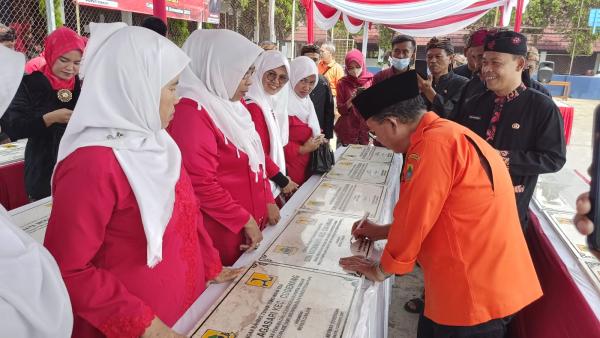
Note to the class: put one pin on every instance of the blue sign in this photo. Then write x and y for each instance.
(594, 19)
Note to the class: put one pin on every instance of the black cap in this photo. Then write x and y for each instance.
(506, 42)
(387, 93)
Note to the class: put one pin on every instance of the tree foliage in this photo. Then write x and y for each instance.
(241, 17)
(57, 11)
(178, 31)
(563, 16)
(385, 37)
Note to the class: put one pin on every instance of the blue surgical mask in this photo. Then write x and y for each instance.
(399, 64)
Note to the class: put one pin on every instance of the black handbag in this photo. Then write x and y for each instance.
(322, 159)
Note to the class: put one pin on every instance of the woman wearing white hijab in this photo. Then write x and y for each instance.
(124, 226)
(33, 299)
(267, 103)
(219, 144)
(304, 131)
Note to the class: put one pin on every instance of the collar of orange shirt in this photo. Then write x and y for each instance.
(426, 120)
(330, 64)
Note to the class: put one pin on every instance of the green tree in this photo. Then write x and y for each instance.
(57, 12)
(241, 17)
(385, 37)
(178, 31)
(490, 19)
(563, 15)
(283, 17)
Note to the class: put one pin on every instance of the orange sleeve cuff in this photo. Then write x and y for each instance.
(391, 265)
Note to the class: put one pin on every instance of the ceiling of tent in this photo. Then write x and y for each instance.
(414, 17)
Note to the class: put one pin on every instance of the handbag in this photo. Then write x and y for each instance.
(322, 159)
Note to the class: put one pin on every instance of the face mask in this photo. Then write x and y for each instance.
(355, 72)
(399, 64)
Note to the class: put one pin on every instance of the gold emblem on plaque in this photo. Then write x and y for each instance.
(285, 250)
(261, 280)
(64, 95)
(217, 334)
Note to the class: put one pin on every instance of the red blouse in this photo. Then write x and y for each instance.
(228, 190)
(296, 163)
(96, 235)
(263, 131)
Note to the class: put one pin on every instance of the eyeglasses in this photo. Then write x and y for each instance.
(372, 135)
(316, 60)
(272, 76)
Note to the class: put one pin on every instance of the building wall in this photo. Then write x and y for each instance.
(562, 61)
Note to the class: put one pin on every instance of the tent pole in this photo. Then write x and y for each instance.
(293, 28)
(519, 15)
(310, 22)
(365, 40)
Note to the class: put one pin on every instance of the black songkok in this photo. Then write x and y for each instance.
(508, 42)
(376, 98)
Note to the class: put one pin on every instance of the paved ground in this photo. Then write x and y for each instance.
(403, 324)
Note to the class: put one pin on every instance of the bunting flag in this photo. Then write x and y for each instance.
(414, 17)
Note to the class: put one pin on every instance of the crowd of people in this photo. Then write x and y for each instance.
(165, 164)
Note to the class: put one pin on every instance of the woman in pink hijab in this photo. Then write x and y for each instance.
(43, 106)
(351, 127)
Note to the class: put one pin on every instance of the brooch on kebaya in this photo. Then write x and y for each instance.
(64, 95)
(118, 135)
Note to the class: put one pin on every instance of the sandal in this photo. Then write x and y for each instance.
(415, 305)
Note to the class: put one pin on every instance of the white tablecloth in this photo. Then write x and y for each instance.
(568, 186)
(370, 317)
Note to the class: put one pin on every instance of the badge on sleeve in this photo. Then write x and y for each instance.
(409, 172)
(414, 156)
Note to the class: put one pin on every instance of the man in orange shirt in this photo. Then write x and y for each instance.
(329, 68)
(456, 216)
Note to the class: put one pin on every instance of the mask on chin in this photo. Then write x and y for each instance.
(355, 72)
(399, 64)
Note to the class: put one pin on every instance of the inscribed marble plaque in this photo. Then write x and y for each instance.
(271, 300)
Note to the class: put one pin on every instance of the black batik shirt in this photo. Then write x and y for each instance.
(529, 135)
(448, 89)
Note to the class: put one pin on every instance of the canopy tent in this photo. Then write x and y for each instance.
(419, 18)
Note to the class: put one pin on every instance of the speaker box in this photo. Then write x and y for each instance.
(545, 71)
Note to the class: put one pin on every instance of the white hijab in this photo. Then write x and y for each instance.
(125, 69)
(219, 60)
(303, 108)
(274, 107)
(33, 299)
(12, 67)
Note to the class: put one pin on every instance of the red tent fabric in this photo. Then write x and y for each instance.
(414, 17)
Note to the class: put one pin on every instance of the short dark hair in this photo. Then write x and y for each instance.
(407, 111)
(310, 49)
(404, 38)
(155, 24)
